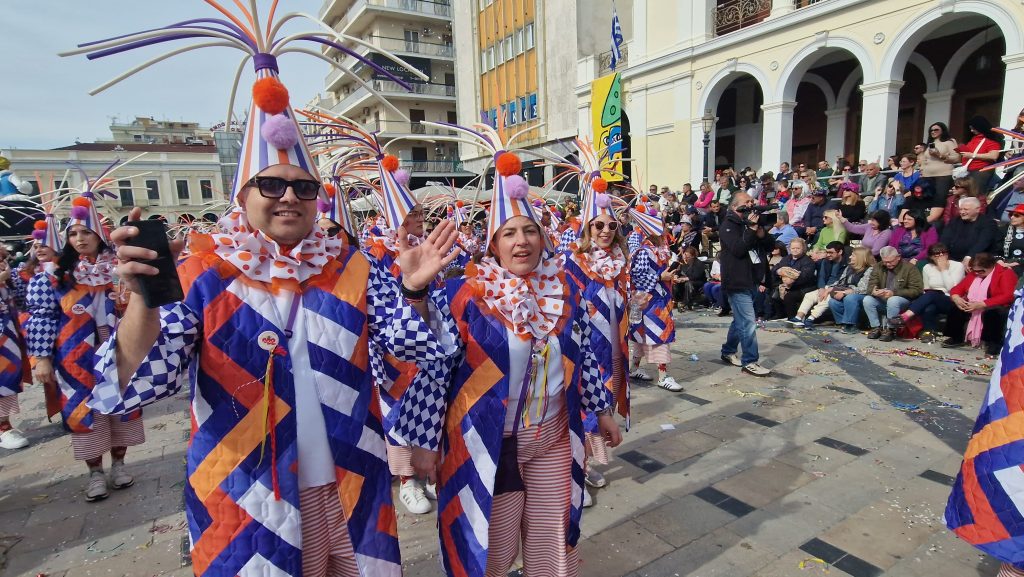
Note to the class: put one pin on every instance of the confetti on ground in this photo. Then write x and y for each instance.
(814, 562)
(746, 394)
(906, 407)
(668, 427)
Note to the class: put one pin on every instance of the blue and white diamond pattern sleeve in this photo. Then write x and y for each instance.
(397, 328)
(596, 397)
(633, 242)
(19, 287)
(642, 272)
(161, 374)
(44, 323)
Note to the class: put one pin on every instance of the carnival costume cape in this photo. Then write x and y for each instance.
(656, 326)
(14, 365)
(242, 490)
(464, 417)
(986, 507)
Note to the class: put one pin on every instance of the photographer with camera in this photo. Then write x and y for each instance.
(745, 244)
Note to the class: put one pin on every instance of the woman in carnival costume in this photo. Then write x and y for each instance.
(504, 434)
(286, 470)
(71, 312)
(651, 327)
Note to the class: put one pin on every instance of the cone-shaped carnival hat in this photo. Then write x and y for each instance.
(336, 207)
(84, 200)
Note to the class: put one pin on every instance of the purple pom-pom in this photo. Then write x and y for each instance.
(653, 211)
(323, 205)
(79, 212)
(538, 202)
(279, 131)
(39, 234)
(88, 194)
(558, 214)
(602, 200)
(516, 187)
(402, 176)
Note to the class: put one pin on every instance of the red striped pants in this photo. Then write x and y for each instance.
(400, 461)
(538, 517)
(326, 547)
(8, 406)
(108, 431)
(1007, 570)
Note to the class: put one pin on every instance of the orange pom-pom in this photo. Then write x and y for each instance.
(508, 164)
(459, 203)
(641, 208)
(270, 95)
(599, 185)
(390, 162)
(81, 201)
(645, 198)
(329, 187)
(39, 225)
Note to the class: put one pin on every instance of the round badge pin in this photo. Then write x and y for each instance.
(268, 340)
(78, 309)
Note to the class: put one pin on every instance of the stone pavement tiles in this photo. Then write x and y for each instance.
(814, 469)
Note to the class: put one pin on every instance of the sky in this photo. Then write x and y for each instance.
(44, 99)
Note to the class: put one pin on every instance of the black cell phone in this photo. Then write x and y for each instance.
(164, 287)
(931, 145)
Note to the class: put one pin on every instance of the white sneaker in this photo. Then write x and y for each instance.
(756, 370)
(732, 359)
(595, 479)
(13, 439)
(412, 496)
(588, 501)
(97, 488)
(640, 375)
(119, 477)
(430, 490)
(670, 384)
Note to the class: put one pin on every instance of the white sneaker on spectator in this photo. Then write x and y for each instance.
(732, 359)
(412, 496)
(119, 477)
(756, 370)
(640, 374)
(595, 479)
(588, 501)
(96, 490)
(670, 384)
(430, 490)
(13, 439)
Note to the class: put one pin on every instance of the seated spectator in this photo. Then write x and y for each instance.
(906, 174)
(799, 200)
(913, 237)
(1005, 200)
(814, 215)
(783, 172)
(980, 305)
(783, 231)
(872, 181)
(894, 283)
(962, 188)
(713, 287)
(832, 231)
(689, 277)
(793, 276)
(688, 195)
(831, 271)
(704, 198)
(890, 200)
(1011, 250)
(724, 188)
(845, 300)
(851, 205)
(969, 234)
(875, 233)
(922, 198)
(688, 236)
(940, 276)
(711, 222)
(980, 151)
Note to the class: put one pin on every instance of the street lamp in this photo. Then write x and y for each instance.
(707, 123)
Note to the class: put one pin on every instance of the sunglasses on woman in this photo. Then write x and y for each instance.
(612, 226)
(274, 187)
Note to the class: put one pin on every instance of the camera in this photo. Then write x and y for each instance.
(767, 214)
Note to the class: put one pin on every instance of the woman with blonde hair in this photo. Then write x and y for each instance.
(833, 230)
(846, 297)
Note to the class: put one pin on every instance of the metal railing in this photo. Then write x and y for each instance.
(402, 127)
(419, 6)
(416, 47)
(734, 15)
(443, 166)
(391, 87)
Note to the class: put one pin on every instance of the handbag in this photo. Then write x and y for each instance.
(961, 171)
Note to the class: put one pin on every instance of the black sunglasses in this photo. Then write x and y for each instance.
(599, 225)
(274, 187)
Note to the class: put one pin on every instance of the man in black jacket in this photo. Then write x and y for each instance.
(970, 234)
(743, 261)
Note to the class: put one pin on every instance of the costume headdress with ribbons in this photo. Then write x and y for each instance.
(337, 208)
(84, 210)
(47, 230)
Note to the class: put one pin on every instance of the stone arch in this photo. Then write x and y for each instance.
(721, 80)
(795, 71)
(931, 78)
(823, 85)
(957, 61)
(918, 28)
(849, 85)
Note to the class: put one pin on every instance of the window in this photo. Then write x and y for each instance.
(153, 191)
(533, 106)
(508, 48)
(523, 109)
(125, 188)
(206, 189)
(499, 54)
(182, 186)
(517, 41)
(529, 35)
(513, 119)
(490, 58)
(483, 60)
(137, 137)
(412, 41)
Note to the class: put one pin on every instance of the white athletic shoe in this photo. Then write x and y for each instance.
(119, 477)
(13, 439)
(640, 375)
(670, 384)
(97, 488)
(412, 496)
(595, 479)
(430, 490)
(588, 501)
(756, 370)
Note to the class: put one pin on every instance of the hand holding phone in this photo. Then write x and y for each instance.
(163, 286)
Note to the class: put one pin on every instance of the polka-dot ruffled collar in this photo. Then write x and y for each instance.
(603, 265)
(95, 272)
(534, 305)
(260, 258)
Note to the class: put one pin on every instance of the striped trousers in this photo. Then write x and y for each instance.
(8, 406)
(536, 519)
(108, 431)
(400, 461)
(326, 547)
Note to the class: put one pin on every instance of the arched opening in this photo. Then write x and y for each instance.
(210, 217)
(738, 131)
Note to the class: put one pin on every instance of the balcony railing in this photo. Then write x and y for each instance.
(420, 6)
(402, 127)
(732, 15)
(393, 88)
(417, 47)
(442, 166)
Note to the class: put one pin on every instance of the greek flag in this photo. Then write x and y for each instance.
(616, 39)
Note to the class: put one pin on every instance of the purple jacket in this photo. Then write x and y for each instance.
(873, 239)
(928, 238)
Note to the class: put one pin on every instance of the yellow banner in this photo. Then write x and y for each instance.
(606, 112)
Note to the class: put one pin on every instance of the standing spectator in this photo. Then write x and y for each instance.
(1006, 200)
(847, 297)
(939, 157)
(783, 231)
(962, 188)
(1011, 250)
(851, 205)
(969, 234)
(832, 230)
(894, 283)
(744, 247)
(913, 237)
(940, 276)
(707, 194)
(980, 151)
(793, 277)
(980, 305)
(689, 277)
(919, 149)
(876, 232)
(831, 271)
(890, 199)
(872, 179)
(923, 199)
(907, 175)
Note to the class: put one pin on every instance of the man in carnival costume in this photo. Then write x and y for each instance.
(286, 469)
